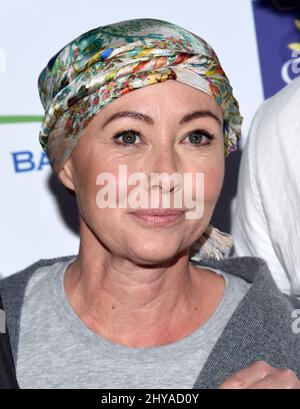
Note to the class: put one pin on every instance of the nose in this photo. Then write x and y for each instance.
(163, 169)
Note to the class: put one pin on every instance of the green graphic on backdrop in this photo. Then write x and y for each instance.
(16, 119)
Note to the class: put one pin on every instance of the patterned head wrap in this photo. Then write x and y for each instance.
(112, 60)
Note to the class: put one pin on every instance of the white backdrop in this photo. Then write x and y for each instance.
(33, 222)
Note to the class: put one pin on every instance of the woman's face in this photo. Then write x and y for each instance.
(156, 140)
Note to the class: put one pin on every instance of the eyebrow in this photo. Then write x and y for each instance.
(149, 121)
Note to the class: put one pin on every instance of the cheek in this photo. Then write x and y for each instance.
(213, 181)
(103, 184)
(212, 170)
(88, 167)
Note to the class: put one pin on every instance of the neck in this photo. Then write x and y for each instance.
(139, 305)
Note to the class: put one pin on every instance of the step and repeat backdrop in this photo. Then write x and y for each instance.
(258, 47)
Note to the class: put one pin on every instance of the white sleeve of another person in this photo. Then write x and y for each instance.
(266, 218)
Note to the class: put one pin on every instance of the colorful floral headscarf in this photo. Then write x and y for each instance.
(112, 60)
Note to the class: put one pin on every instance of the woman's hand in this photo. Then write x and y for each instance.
(261, 375)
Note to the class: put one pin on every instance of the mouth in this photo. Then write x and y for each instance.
(158, 217)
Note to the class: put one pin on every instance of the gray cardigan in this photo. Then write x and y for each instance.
(259, 329)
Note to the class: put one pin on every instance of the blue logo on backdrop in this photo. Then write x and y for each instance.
(27, 161)
(278, 39)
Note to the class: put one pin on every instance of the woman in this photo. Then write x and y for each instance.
(131, 310)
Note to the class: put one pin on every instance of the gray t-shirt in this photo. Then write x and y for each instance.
(56, 350)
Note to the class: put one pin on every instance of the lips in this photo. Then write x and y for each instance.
(158, 216)
(158, 212)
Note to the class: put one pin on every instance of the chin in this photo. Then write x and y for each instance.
(154, 254)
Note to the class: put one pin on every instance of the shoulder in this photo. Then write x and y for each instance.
(264, 299)
(22, 286)
(286, 100)
(246, 267)
(14, 287)
(255, 270)
(262, 326)
(22, 277)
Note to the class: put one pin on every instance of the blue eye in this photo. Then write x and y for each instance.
(127, 137)
(199, 138)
